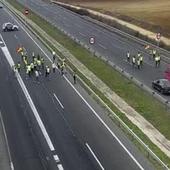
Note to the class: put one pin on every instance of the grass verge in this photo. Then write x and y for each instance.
(146, 105)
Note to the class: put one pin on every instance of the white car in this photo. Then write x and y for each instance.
(9, 27)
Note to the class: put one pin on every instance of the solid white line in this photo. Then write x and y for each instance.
(105, 125)
(58, 100)
(28, 97)
(138, 164)
(102, 46)
(6, 140)
(95, 156)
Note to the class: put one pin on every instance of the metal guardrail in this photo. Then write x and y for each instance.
(130, 131)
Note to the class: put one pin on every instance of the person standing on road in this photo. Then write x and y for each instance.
(156, 61)
(159, 59)
(37, 75)
(18, 66)
(74, 77)
(54, 55)
(138, 63)
(141, 60)
(154, 53)
(128, 56)
(53, 67)
(133, 61)
(42, 62)
(47, 71)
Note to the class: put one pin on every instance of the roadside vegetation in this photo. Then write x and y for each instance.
(151, 14)
(152, 110)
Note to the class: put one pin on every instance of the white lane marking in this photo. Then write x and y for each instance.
(60, 167)
(102, 46)
(6, 141)
(28, 97)
(58, 100)
(105, 125)
(137, 163)
(95, 156)
(82, 34)
(56, 158)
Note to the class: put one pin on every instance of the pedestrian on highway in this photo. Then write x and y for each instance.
(138, 55)
(33, 56)
(154, 53)
(47, 71)
(138, 63)
(141, 60)
(18, 66)
(54, 55)
(53, 67)
(29, 70)
(156, 61)
(42, 62)
(128, 56)
(37, 75)
(32, 67)
(38, 64)
(74, 77)
(133, 61)
(159, 59)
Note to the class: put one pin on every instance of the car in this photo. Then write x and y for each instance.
(9, 27)
(162, 85)
(1, 6)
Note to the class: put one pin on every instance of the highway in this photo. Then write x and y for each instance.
(111, 45)
(56, 118)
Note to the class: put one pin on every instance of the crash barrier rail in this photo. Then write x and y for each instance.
(150, 153)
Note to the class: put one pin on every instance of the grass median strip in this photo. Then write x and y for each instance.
(145, 104)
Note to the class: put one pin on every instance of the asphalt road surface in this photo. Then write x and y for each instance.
(109, 44)
(81, 134)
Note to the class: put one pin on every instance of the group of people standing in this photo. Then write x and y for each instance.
(35, 66)
(137, 60)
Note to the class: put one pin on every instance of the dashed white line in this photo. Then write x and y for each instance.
(58, 100)
(105, 125)
(95, 156)
(82, 34)
(60, 167)
(102, 46)
(56, 158)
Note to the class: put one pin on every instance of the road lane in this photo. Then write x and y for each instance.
(116, 44)
(72, 128)
(22, 147)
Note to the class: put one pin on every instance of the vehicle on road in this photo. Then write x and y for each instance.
(162, 85)
(1, 6)
(9, 27)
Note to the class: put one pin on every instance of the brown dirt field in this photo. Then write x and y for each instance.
(150, 14)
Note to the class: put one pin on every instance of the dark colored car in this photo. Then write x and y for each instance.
(162, 85)
(1, 6)
(9, 27)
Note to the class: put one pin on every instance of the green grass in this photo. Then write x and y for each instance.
(146, 105)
